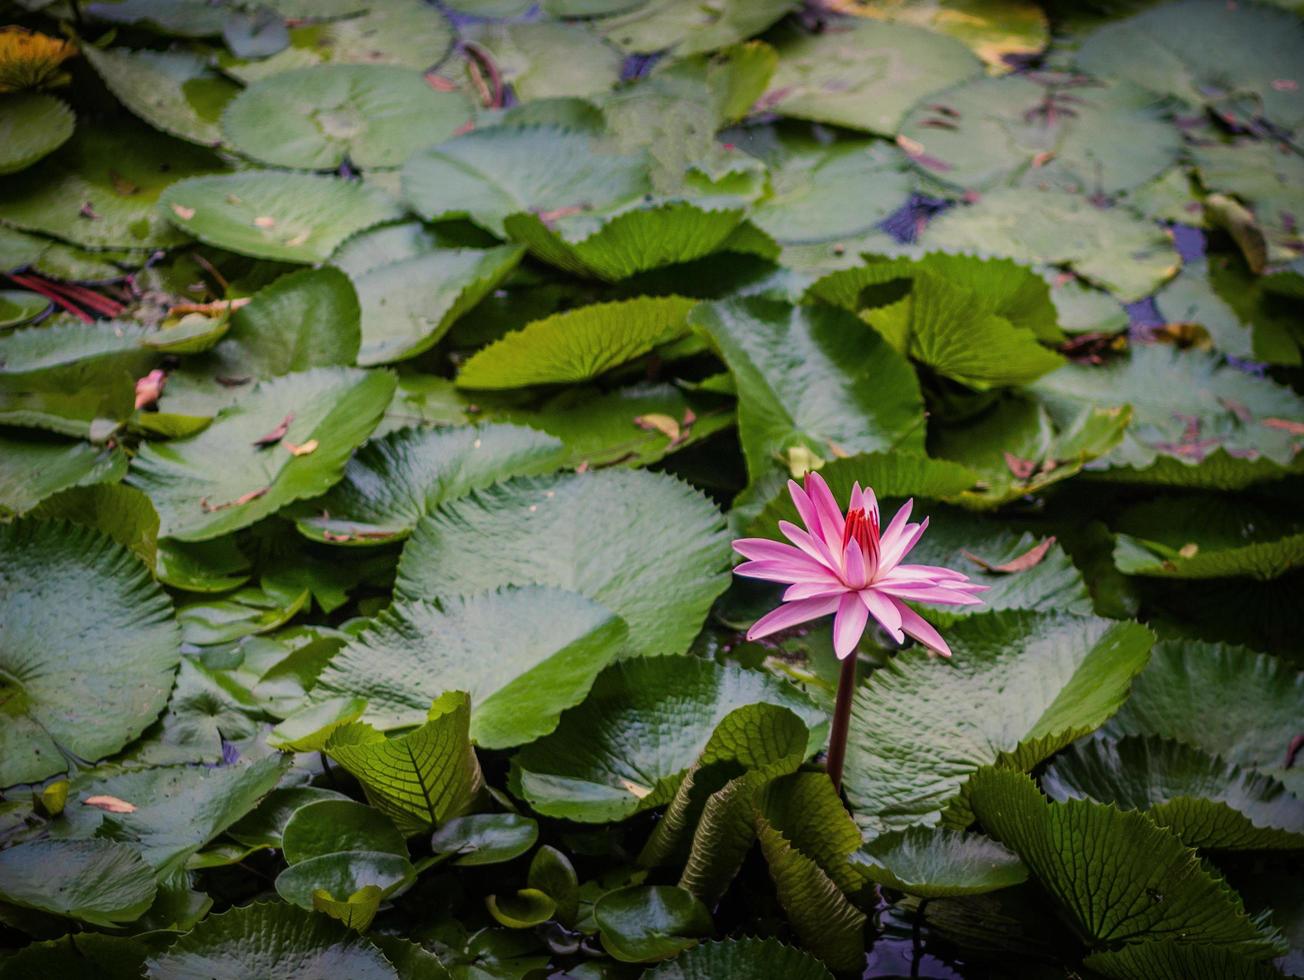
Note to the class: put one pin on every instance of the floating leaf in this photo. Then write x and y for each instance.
(864, 75)
(688, 27)
(102, 882)
(934, 862)
(653, 549)
(221, 479)
(322, 882)
(102, 188)
(1204, 801)
(326, 826)
(271, 215)
(764, 959)
(579, 344)
(645, 923)
(33, 469)
(32, 126)
(57, 701)
(989, 704)
(175, 91)
(1171, 958)
(524, 655)
(549, 60)
(419, 779)
(485, 838)
(646, 721)
(316, 118)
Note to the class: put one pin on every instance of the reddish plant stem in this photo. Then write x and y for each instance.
(87, 297)
(57, 298)
(841, 720)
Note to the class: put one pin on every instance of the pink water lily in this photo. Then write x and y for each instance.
(843, 565)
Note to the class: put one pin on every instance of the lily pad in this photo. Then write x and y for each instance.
(327, 826)
(653, 549)
(316, 118)
(33, 469)
(689, 27)
(175, 91)
(940, 863)
(764, 959)
(645, 923)
(242, 467)
(550, 60)
(485, 838)
(102, 188)
(864, 74)
(524, 655)
(322, 882)
(271, 215)
(591, 770)
(488, 174)
(32, 126)
(102, 882)
(990, 704)
(57, 702)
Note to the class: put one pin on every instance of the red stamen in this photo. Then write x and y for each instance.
(864, 529)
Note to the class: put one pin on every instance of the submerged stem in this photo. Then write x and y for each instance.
(841, 720)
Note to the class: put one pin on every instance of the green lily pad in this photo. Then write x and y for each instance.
(864, 74)
(1204, 51)
(57, 702)
(687, 27)
(591, 770)
(59, 260)
(579, 344)
(327, 826)
(1145, 885)
(488, 174)
(645, 923)
(1264, 175)
(524, 655)
(343, 874)
(175, 91)
(102, 188)
(33, 469)
(393, 481)
(1205, 801)
(271, 215)
(485, 838)
(316, 118)
(989, 704)
(764, 959)
(270, 939)
(1068, 132)
(934, 862)
(234, 472)
(803, 377)
(550, 60)
(102, 882)
(1112, 247)
(408, 306)
(32, 126)
(654, 549)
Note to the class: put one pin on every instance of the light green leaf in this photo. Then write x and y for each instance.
(529, 907)
(644, 724)
(17, 306)
(356, 911)
(1144, 886)
(395, 480)
(524, 656)
(316, 118)
(762, 959)
(488, 174)
(103, 882)
(689, 27)
(409, 305)
(32, 125)
(550, 60)
(116, 174)
(1207, 537)
(811, 378)
(485, 838)
(122, 513)
(1230, 702)
(935, 862)
(647, 547)
(341, 875)
(222, 479)
(68, 354)
(1111, 247)
(175, 91)
(1042, 132)
(275, 215)
(32, 469)
(326, 826)
(579, 344)
(269, 939)
(1264, 175)
(1018, 687)
(1202, 799)
(864, 75)
(645, 923)
(419, 779)
(72, 599)
(265, 825)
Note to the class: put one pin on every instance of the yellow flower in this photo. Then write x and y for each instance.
(30, 60)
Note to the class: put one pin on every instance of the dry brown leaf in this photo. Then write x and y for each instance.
(277, 434)
(1029, 559)
(109, 804)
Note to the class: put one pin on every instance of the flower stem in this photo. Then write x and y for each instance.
(841, 720)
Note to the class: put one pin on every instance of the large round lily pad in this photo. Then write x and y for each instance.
(72, 602)
(316, 118)
(32, 125)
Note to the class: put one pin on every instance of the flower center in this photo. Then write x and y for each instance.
(863, 528)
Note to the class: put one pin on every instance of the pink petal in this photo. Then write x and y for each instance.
(887, 539)
(792, 614)
(812, 590)
(831, 519)
(854, 571)
(763, 549)
(849, 624)
(901, 544)
(883, 609)
(934, 594)
(926, 573)
(811, 544)
(920, 629)
(805, 506)
(787, 572)
(857, 501)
